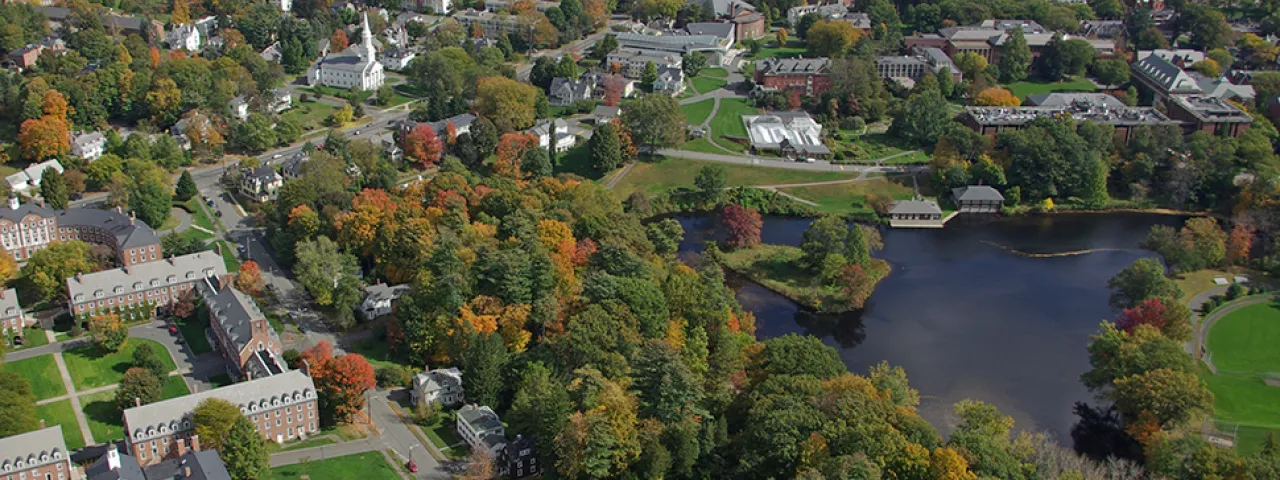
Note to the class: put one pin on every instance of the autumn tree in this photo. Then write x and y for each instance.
(50, 267)
(509, 104)
(479, 466)
(181, 13)
(109, 332)
(43, 138)
(511, 149)
(996, 97)
(423, 145)
(341, 381)
(8, 267)
(1172, 397)
(1140, 281)
(1239, 242)
(831, 38)
(137, 387)
(249, 278)
(1170, 317)
(339, 42)
(741, 226)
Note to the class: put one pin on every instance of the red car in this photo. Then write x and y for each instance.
(173, 330)
(413, 467)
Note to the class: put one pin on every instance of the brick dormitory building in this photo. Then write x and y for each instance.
(36, 455)
(157, 284)
(27, 228)
(244, 337)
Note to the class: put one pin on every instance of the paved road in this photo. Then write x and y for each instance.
(817, 166)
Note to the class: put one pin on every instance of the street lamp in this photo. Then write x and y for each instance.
(411, 447)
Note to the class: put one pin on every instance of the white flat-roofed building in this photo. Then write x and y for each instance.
(792, 133)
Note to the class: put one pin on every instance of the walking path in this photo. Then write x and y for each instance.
(618, 178)
(75, 399)
(1202, 330)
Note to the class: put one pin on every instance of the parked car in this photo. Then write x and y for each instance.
(278, 155)
(413, 467)
(173, 330)
(217, 213)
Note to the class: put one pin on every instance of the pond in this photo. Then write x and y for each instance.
(966, 317)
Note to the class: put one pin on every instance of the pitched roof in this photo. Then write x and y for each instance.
(115, 466)
(1168, 76)
(204, 465)
(382, 291)
(710, 28)
(915, 207)
(129, 232)
(167, 416)
(144, 276)
(791, 66)
(234, 312)
(32, 449)
(9, 307)
(977, 193)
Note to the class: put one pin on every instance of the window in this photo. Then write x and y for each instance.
(277, 422)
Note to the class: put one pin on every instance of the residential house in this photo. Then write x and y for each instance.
(284, 5)
(563, 139)
(261, 184)
(670, 81)
(29, 178)
(395, 36)
(978, 199)
(438, 7)
(12, 320)
(791, 134)
(282, 407)
(481, 428)
(37, 455)
(27, 56)
(794, 14)
(240, 108)
(808, 76)
(273, 53)
(441, 386)
(184, 37)
(604, 114)
(396, 59)
(88, 146)
(244, 337)
(517, 459)
(566, 91)
(292, 167)
(156, 284)
(281, 100)
(602, 81)
(380, 298)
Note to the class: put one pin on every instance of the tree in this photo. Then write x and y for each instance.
(1239, 243)
(1112, 71)
(249, 278)
(741, 226)
(137, 387)
(1206, 26)
(1207, 67)
(1016, 59)
(43, 138)
(245, 451)
(332, 277)
(1140, 281)
(1172, 397)
(109, 332)
(649, 75)
(996, 97)
(186, 189)
(1207, 242)
(144, 356)
(339, 42)
(655, 121)
(971, 64)
(540, 407)
(54, 189)
(781, 36)
(1171, 318)
(605, 148)
(694, 62)
(18, 404)
(50, 267)
(667, 389)
(601, 50)
(480, 465)
(181, 12)
(710, 183)
(341, 381)
(831, 38)
(423, 145)
(151, 201)
(254, 134)
(483, 367)
(1115, 354)
(509, 104)
(793, 354)
(342, 116)
(924, 118)
(8, 267)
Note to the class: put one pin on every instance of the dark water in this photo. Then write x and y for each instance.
(966, 318)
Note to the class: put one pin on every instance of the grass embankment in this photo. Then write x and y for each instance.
(1198, 281)
(728, 121)
(793, 48)
(90, 367)
(365, 466)
(1242, 345)
(873, 147)
(708, 84)
(777, 267)
(42, 373)
(229, 256)
(696, 113)
(1022, 89)
(671, 173)
(851, 198)
(60, 413)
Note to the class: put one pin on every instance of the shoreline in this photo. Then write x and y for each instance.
(797, 295)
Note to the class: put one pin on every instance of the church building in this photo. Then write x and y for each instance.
(357, 66)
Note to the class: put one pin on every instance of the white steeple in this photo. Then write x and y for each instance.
(366, 45)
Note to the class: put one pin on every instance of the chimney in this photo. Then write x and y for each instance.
(113, 459)
(137, 402)
(118, 209)
(132, 218)
(79, 277)
(181, 448)
(171, 262)
(13, 202)
(195, 443)
(195, 388)
(217, 247)
(306, 367)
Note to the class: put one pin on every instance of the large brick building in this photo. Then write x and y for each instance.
(808, 76)
(26, 228)
(153, 283)
(283, 407)
(1091, 107)
(38, 455)
(243, 335)
(1203, 113)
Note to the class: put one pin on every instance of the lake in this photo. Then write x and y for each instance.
(966, 318)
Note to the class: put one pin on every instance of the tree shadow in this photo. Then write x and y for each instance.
(846, 328)
(1100, 434)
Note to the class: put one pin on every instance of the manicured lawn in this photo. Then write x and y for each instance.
(92, 368)
(443, 433)
(1198, 281)
(1249, 439)
(714, 72)
(104, 418)
(852, 197)
(42, 373)
(870, 147)
(728, 121)
(192, 330)
(701, 145)
(310, 115)
(794, 48)
(696, 113)
(378, 353)
(60, 413)
(1022, 89)
(576, 161)
(1245, 341)
(274, 447)
(365, 466)
(33, 337)
(670, 173)
(708, 84)
(229, 257)
(174, 387)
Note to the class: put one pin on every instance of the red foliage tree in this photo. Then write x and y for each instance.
(340, 381)
(1151, 311)
(855, 285)
(613, 87)
(583, 250)
(511, 147)
(450, 132)
(318, 357)
(249, 280)
(395, 335)
(339, 41)
(741, 225)
(423, 145)
(1239, 242)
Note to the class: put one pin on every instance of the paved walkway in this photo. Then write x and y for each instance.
(75, 399)
(618, 178)
(184, 219)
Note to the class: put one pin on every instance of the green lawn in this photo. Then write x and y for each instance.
(852, 197)
(365, 466)
(671, 172)
(794, 48)
(42, 373)
(708, 84)
(229, 256)
(870, 147)
(219, 381)
(192, 330)
(1024, 88)
(1245, 340)
(777, 268)
(702, 145)
(61, 413)
(696, 113)
(33, 337)
(273, 447)
(442, 432)
(379, 354)
(716, 72)
(728, 121)
(310, 114)
(576, 161)
(90, 367)
(174, 387)
(104, 418)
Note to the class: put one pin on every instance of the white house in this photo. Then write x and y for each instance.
(438, 7)
(88, 146)
(357, 66)
(281, 100)
(240, 108)
(564, 140)
(442, 386)
(379, 299)
(480, 427)
(670, 81)
(261, 184)
(184, 37)
(29, 177)
(396, 59)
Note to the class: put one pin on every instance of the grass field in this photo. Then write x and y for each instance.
(576, 161)
(60, 413)
(443, 433)
(670, 173)
(229, 257)
(104, 418)
(192, 331)
(1242, 345)
(852, 197)
(378, 353)
(310, 114)
(708, 84)
(794, 48)
(174, 387)
(875, 146)
(716, 72)
(92, 368)
(365, 466)
(701, 145)
(1198, 281)
(42, 373)
(696, 113)
(33, 337)
(1022, 89)
(728, 121)
(273, 447)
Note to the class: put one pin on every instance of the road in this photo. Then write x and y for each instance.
(816, 166)
(576, 47)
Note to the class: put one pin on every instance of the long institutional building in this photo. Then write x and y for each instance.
(1191, 113)
(156, 284)
(27, 228)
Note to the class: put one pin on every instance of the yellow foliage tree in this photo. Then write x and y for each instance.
(996, 97)
(947, 464)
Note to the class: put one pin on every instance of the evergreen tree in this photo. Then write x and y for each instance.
(54, 189)
(245, 451)
(650, 74)
(186, 189)
(1016, 59)
(483, 364)
(605, 148)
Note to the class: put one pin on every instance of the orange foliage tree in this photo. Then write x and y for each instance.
(341, 381)
(510, 148)
(249, 280)
(44, 137)
(339, 41)
(1239, 242)
(996, 97)
(423, 145)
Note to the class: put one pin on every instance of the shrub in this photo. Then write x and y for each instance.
(424, 413)
(393, 376)
(1235, 291)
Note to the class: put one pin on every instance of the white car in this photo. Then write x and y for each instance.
(278, 155)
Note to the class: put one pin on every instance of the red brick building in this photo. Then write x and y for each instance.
(38, 455)
(244, 337)
(153, 283)
(748, 25)
(808, 76)
(26, 57)
(1202, 113)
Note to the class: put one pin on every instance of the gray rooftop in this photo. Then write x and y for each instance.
(165, 417)
(481, 419)
(382, 291)
(793, 66)
(32, 449)
(1081, 110)
(1063, 99)
(234, 311)
(710, 28)
(129, 232)
(915, 207)
(1165, 74)
(144, 276)
(437, 379)
(9, 307)
(977, 193)
(204, 464)
(1211, 109)
(125, 468)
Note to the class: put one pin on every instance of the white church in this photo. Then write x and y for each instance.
(357, 66)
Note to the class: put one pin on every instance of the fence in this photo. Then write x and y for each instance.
(1219, 433)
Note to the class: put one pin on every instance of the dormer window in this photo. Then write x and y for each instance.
(98, 294)
(137, 285)
(118, 290)
(191, 275)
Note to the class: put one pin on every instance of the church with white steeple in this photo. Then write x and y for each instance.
(357, 66)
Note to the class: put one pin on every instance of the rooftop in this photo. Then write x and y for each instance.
(204, 465)
(174, 415)
(234, 311)
(915, 207)
(1083, 109)
(792, 66)
(1211, 109)
(144, 276)
(796, 130)
(32, 449)
(9, 307)
(977, 193)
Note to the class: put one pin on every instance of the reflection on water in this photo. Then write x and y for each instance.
(968, 319)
